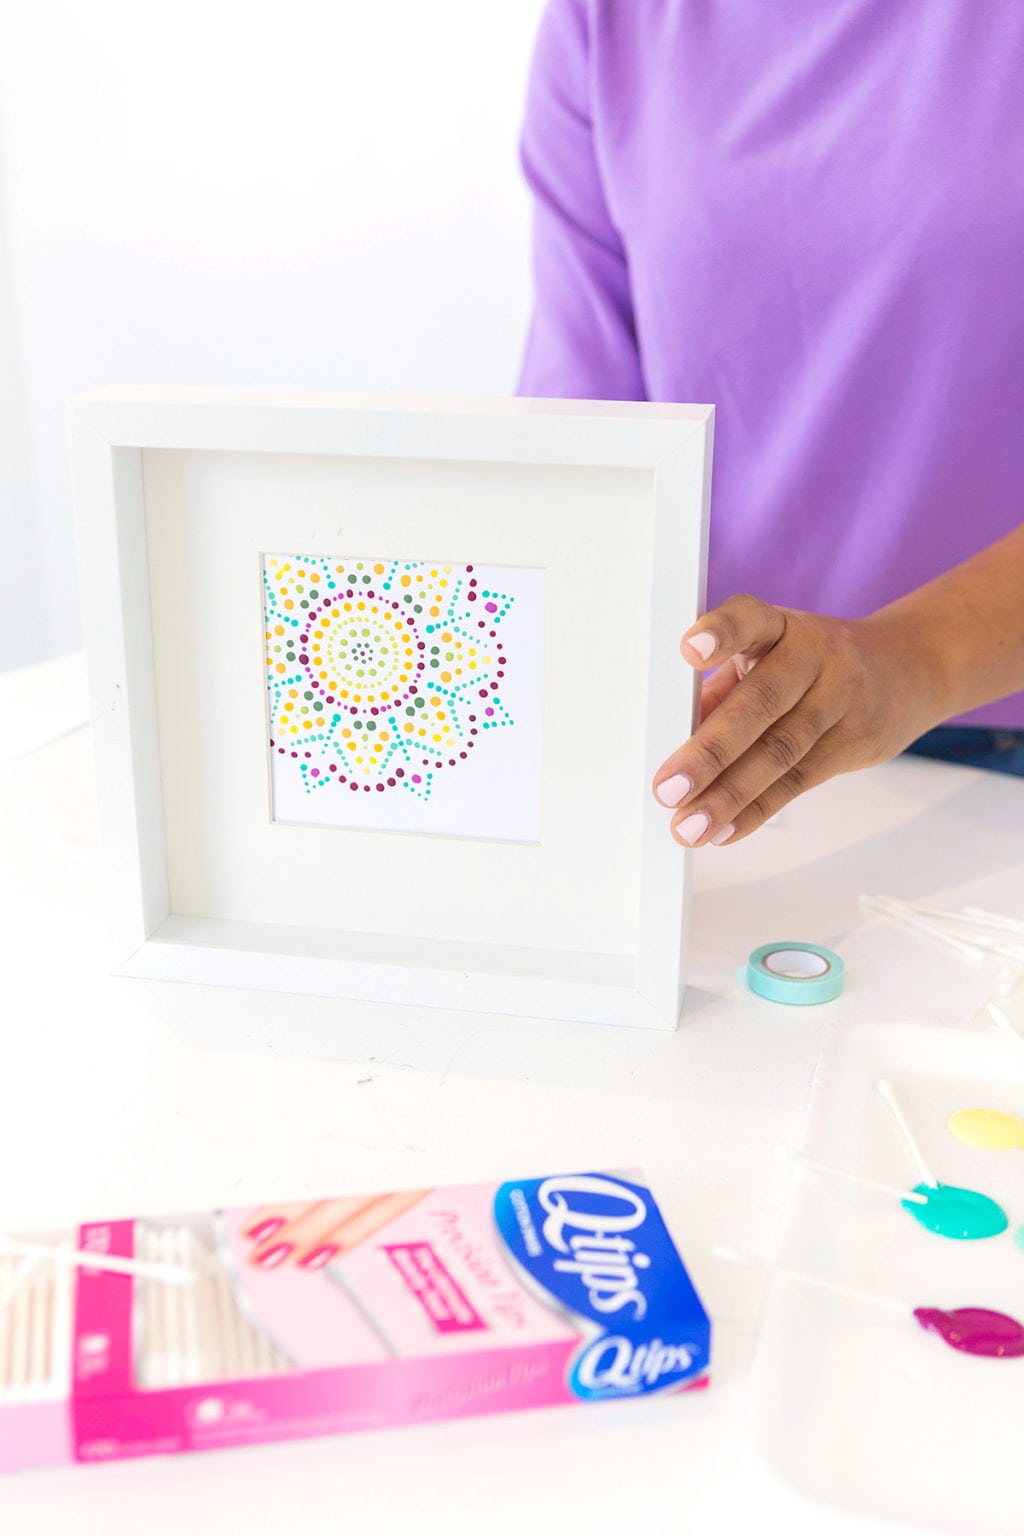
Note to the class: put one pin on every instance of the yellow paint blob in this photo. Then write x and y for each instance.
(991, 1128)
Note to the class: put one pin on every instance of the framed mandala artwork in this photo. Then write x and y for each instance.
(379, 686)
(417, 684)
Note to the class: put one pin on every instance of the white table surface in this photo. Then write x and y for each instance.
(126, 1097)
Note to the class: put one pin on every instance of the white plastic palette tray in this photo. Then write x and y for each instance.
(855, 1404)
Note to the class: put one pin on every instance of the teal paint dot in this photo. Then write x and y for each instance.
(962, 1214)
(1019, 1238)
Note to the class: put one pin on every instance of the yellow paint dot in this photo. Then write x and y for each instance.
(280, 666)
(446, 637)
(295, 730)
(319, 720)
(385, 735)
(278, 629)
(446, 677)
(288, 603)
(436, 738)
(360, 606)
(434, 611)
(406, 580)
(433, 573)
(378, 570)
(408, 726)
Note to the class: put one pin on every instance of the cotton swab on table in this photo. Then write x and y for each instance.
(1002, 1022)
(901, 912)
(803, 1277)
(854, 1178)
(885, 1088)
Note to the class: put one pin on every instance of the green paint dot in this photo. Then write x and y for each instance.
(314, 594)
(364, 631)
(409, 709)
(950, 1211)
(371, 725)
(366, 580)
(416, 608)
(434, 661)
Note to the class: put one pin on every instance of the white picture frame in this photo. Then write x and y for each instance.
(177, 489)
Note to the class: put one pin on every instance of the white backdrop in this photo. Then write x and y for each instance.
(318, 193)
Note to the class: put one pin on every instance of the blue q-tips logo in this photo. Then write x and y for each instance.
(597, 1246)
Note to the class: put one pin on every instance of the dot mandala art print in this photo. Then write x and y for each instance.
(390, 682)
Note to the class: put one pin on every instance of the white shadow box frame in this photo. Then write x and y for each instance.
(180, 493)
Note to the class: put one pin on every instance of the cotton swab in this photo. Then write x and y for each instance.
(803, 1277)
(854, 1178)
(996, 919)
(14, 1284)
(902, 913)
(886, 1090)
(64, 1253)
(1001, 1020)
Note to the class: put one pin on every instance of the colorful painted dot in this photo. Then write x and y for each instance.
(962, 1214)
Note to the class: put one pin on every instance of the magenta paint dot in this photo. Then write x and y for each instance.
(353, 786)
(380, 787)
(391, 783)
(488, 710)
(314, 773)
(490, 607)
(416, 779)
(975, 1331)
(303, 658)
(471, 596)
(334, 767)
(483, 693)
(462, 754)
(295, 754)
(469, 567)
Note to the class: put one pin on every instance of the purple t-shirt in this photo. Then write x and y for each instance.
(810, 213)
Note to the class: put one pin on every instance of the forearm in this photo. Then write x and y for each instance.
(962, 634)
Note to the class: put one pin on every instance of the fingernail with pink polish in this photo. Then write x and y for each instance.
(266, 1229)
(694, 827)
(672, 790)
(724, 835)
(703, 643)
(320, 1256)
(274, 1256)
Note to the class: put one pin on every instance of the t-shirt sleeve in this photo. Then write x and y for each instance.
(582, 342)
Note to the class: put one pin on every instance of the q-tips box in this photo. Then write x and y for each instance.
(240, 1326)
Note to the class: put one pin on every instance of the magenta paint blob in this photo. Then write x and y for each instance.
(975, 1331)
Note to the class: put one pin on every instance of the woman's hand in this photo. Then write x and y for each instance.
(794, 698)
(312, 1235)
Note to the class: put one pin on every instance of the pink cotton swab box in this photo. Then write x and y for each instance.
(190, 1333)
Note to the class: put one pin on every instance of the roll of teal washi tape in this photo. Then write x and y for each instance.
(795, 973)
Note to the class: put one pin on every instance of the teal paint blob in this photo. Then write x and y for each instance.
(1019, 1239)
(963, 1214)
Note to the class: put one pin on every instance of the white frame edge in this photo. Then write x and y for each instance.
(111, 428)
